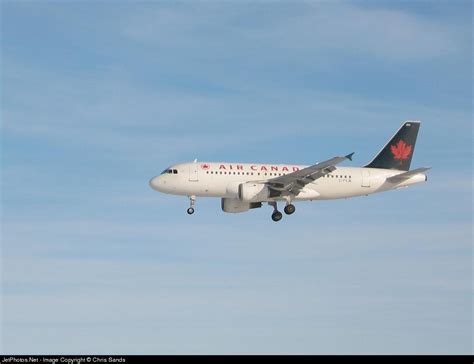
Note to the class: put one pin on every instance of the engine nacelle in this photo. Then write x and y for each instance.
(232, 189)
(234, 205)
(253, 192)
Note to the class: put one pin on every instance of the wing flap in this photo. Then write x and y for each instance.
(294, 182)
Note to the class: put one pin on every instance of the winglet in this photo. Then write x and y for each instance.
(349, 156)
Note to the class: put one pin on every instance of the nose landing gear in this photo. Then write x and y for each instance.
(192, 201)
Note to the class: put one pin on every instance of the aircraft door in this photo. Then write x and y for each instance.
(193, 172)
(365, 178)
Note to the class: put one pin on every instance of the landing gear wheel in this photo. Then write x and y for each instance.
(289, 209)
(276, 216)
(192, 201)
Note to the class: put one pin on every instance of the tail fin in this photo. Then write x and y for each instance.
(397, 153)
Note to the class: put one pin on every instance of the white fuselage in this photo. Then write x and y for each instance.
(221, 179)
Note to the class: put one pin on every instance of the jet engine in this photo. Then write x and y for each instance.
(234, 205)
(253, 192)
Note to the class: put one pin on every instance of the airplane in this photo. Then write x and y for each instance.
(245, 186)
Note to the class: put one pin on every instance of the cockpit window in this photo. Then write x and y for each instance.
(170, 171)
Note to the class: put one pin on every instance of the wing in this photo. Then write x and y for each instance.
(293, 183)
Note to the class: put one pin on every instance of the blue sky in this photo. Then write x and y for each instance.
(97, 97)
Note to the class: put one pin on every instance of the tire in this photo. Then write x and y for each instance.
(190, 211)
(289, 209)
(276, 216)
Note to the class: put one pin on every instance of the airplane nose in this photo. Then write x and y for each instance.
(155, 183)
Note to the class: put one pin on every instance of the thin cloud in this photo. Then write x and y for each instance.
(332, 28)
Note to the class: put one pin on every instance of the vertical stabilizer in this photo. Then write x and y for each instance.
(397, 153)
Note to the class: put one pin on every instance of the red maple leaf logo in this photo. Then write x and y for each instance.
(205, 166)
(401, 150)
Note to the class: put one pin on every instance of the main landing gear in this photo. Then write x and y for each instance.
(192, 202)
(289, 209)
(277, 215)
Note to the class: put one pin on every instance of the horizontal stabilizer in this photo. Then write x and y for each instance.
(407, 175)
